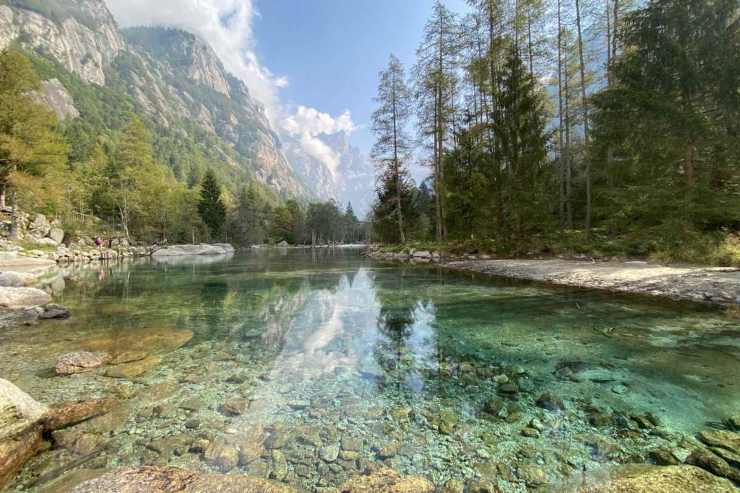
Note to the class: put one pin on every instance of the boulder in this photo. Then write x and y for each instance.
(387, 481)
(172, 479)
(634, 478)
(56, 235)
(39, 226)
(20, 429)
(80, 362)
(21, 298)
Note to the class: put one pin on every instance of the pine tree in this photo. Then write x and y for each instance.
(211, 206)
(393, 146)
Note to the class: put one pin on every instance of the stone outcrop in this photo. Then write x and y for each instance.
(84, 48)
(171, 480)
(203, 249)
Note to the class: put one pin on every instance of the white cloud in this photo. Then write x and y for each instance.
(227, 26)
(307, 124)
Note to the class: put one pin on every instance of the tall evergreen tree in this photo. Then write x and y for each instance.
(393, 146)
(211, 206)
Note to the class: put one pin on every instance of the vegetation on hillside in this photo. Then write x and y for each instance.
(145, 182)
(613, 133)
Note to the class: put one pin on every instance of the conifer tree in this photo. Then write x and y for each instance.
(211, 206)
(393, 146)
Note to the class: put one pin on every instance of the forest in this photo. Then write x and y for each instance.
(607, 128)
(110, 172)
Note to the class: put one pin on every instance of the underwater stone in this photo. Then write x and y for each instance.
(551, 402)
(719, 438)
(389, 450)
(713, 463)
(236, 407)
(80, 362)
(387, 481)
(642, 478)
(454, 486)
(222, 455)
(532, 475)
(530, 432)
(734, 422)
(663, 457)
(329, 453)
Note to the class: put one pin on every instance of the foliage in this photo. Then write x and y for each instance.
(30, 142)
(210, 206)
(646, 158)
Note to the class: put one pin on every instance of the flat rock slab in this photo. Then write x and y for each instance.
(20, 298)
(171, 480)
(634, 478)
(203, 249)
(714, 285)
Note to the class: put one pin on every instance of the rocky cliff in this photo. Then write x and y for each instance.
(351, 181)
(172, 77)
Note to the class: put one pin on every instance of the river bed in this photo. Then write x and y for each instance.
(309, 367)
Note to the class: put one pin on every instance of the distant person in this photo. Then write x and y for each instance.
(98, 242)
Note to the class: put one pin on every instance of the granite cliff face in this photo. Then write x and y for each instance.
(84, 37)
(173, 77)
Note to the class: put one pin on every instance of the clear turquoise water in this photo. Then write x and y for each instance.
(384, 363)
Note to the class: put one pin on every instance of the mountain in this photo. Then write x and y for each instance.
(348, 179)
(96, 74)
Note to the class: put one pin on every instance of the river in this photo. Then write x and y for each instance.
(310, 366)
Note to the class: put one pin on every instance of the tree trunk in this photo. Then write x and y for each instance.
(397, 165)
(3, 191)
(582, 68)
(561, 133)
(14, 217)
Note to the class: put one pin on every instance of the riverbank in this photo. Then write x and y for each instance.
(712, 285)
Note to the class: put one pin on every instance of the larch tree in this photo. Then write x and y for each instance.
(436, 82)
(393, 146)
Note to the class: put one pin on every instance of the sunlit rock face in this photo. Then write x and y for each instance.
(85, 40)
(174, 78)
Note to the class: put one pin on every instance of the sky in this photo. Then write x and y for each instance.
(313, 63)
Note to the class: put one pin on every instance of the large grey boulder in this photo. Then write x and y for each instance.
(18, 410)
(57, 235)
(202, 249)
(21, 298)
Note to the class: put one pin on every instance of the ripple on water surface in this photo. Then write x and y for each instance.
(308, 368)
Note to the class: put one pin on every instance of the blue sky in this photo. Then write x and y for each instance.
(332, 50)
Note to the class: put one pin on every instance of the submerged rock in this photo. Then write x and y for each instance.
(54, 312)
(551, 402)
(80, 362)
(713, 463)
(719, 438)
(633, 478)
(134, 369)
(222, 455)
(171, 480)
(387, 481)
(63, 414)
